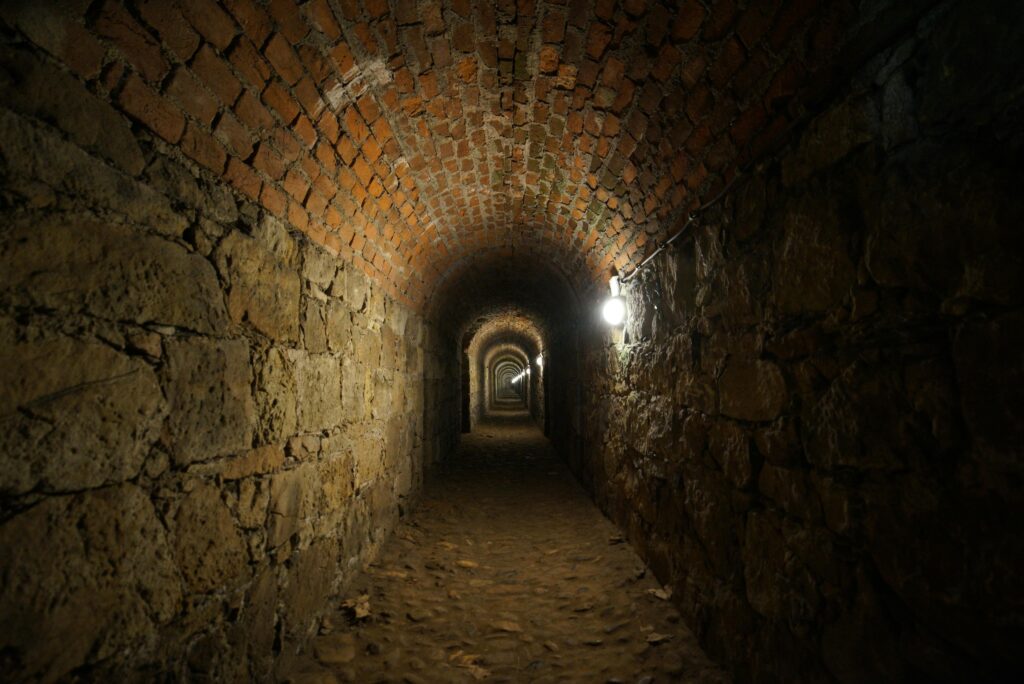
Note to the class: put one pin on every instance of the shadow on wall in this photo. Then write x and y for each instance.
(814, 434)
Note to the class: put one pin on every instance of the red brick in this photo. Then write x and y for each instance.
(598, 39)
(251, 17)
(289, 19)
(273, 200)
(688, 18)
(214, 72)
(249, 63)
(252, 113)
(362, 171)
(281, 101)
(666, 63)
(172, 27)
(295, 185)
(287, 144)
(309, 97)
(281, 55)
(355, 125)
(548, 60)
(194, 98)
(463, 38)
(346, 149)
(132, 40)
(328, 126)
(730, 59)
(234, 135)
(322, 17)
(316, 204)
(342, 57)
(243, 179)
(371, 150)
(210, 20)
(304, 129)
(553, 26)
(315, 63)
(269, 161)
(298, 216)
(200, 146)
(159, 114)
(327, 156)
(368, 108)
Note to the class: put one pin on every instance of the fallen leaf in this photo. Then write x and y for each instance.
(359, 607)
(506, 626)
(664, 594)
(656, 638)
(467, 564)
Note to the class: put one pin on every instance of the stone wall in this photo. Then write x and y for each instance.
(812, 431)
(208, 422)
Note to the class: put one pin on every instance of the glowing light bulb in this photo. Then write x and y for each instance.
(614, 310)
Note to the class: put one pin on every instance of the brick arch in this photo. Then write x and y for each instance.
(406, 136)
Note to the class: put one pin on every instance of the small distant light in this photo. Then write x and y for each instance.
(540, 360)
(614, 309)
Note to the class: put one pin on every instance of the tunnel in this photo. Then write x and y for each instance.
(511, 340)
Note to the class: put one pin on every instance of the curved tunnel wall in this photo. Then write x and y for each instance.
(243, 242)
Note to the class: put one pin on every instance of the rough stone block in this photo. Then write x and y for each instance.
(263, 292)
(292, 500)
(813, 270)
(112, 272)
(318, 383)
(79, 414)
(98, 589)
(752, 390)
(275, 396)
(208, 386)
(208, 547)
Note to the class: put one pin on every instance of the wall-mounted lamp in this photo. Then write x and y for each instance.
(540, 360)
(614, 309)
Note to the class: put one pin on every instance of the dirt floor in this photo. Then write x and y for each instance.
(506, 572)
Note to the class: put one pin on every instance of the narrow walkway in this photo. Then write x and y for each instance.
(506, 572)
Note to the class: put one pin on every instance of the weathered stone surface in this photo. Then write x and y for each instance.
(752, 390)
(209, 549)
(310, 579)
(263, 291)
(339, 327)
(40, 164)
(112, 272)
(258, 461)
(812, 271)
(292, 499)
(97, 583)
(730, 447)
(208, 387)
(318, 382)
(35, 89)
(275, 395)
(77, 414)
(831, 137)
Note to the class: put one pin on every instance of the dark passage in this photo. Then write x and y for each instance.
(580, 337)
(506, 571)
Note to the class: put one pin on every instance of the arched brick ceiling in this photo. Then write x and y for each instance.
(412, 136)
(504, 330)
(517, 289)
